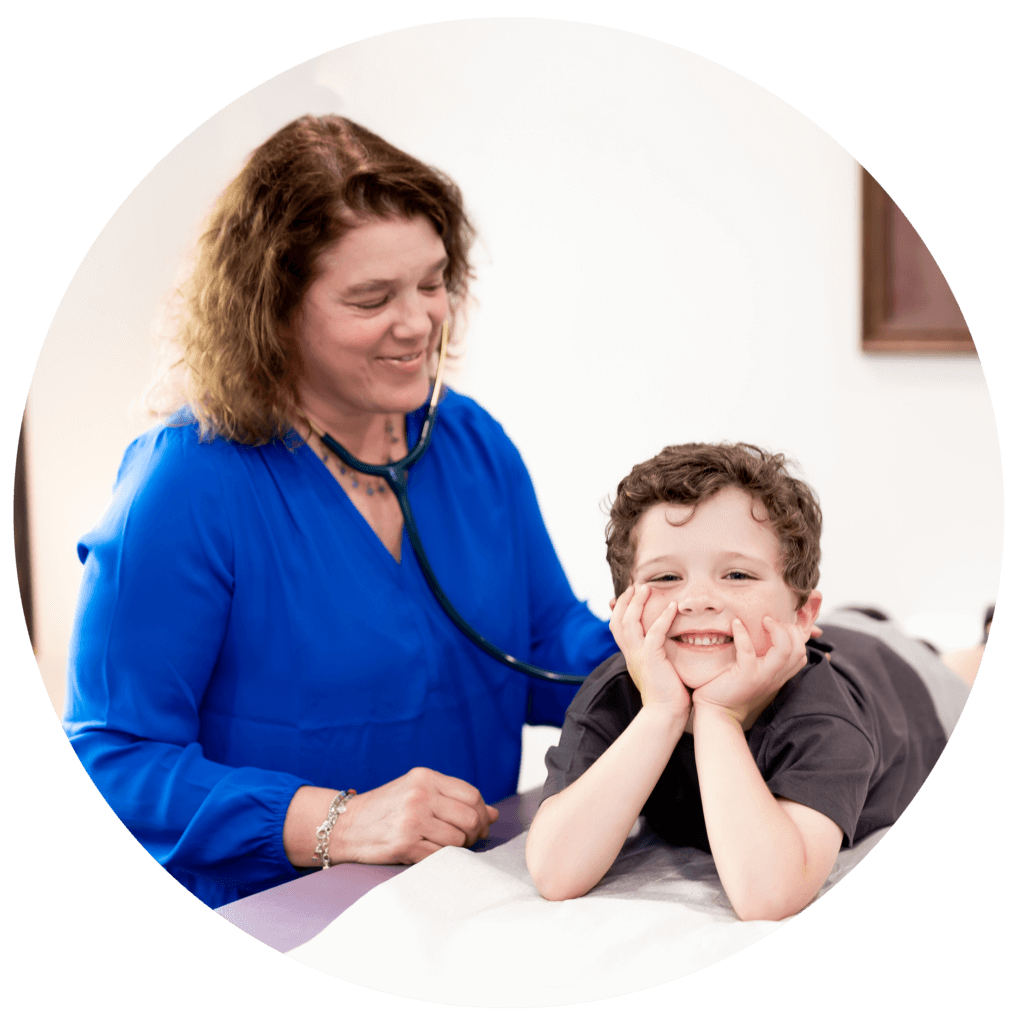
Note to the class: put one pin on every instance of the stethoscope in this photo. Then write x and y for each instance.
(396, 474)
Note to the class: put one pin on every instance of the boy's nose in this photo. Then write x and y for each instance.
(699, 596)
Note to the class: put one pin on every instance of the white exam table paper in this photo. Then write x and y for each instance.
(470, 928)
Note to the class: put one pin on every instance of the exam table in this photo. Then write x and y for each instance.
(468, 926)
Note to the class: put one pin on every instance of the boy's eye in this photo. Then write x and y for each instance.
(665, 577)
(737, 575)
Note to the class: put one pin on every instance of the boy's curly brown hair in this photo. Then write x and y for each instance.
(690, 474)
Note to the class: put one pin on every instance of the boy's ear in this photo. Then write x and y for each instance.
(807, 613)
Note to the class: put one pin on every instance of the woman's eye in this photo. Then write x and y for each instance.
(431, 288)
(376, 304)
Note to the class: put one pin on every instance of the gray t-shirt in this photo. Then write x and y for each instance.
(853, 738)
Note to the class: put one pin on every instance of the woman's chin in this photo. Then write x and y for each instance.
(414, 394)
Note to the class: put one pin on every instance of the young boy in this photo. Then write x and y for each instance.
(722, 720)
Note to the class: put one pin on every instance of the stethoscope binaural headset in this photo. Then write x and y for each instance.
(396, 474)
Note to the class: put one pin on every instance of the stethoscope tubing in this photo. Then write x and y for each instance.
(396, 475)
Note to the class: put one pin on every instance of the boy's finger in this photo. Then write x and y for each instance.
(787, 641)
(782, 642)
(619, 605)
(781, 637)
(745, 653)
(631, 618)
(625, 622)
(659, 628)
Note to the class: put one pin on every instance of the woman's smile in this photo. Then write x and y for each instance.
(408, 363)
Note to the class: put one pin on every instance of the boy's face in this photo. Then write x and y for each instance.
(720, 564)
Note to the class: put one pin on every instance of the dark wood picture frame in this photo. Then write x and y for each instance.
(22, 560)
(907, 304)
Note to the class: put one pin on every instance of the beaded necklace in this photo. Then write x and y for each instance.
(372, 486)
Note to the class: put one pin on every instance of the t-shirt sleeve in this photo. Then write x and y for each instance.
(597, 716)
(853, 737)
(152, 614)
(823, 762)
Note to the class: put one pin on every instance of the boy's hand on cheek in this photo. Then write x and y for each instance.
(751, 680)
(658, 682)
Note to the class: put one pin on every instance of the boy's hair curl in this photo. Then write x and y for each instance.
(690, 474)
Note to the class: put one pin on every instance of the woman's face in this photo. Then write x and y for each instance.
(371, 320)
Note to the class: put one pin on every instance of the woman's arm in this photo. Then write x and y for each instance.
(152, 618)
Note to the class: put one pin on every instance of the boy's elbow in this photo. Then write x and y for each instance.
(556, 884)
(555, 890)
(550, 878)
(756, 907)
(548, 882)
(759, 912)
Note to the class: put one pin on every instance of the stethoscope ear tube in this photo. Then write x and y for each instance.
(396, 474)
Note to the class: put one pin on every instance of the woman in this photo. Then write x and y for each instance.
(254, 638)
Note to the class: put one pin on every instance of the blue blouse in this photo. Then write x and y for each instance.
(241, 631)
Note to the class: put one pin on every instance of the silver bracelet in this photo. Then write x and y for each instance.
(339, 805)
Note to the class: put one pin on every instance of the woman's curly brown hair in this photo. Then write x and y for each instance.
(690, 474)
(295, 197)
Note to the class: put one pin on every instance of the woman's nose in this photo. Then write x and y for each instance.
(413, 317)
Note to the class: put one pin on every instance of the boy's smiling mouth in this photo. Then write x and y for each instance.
(706, 638)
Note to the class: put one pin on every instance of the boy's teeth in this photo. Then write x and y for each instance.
(705, 641)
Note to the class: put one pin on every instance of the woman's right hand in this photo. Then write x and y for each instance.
(400, 822)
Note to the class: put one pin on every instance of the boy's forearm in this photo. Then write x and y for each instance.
(579, 832)
(759, 852)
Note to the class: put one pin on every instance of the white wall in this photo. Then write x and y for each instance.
(666, 253)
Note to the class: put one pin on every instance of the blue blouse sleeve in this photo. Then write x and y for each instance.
(151, 618)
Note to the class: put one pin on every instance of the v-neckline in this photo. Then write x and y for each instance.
(403, 549)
